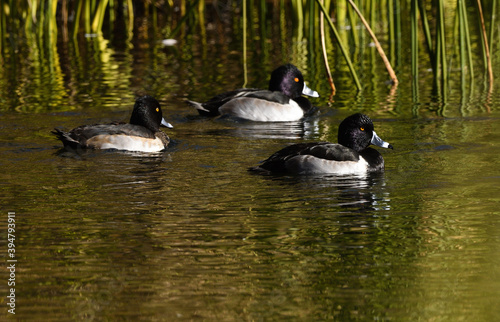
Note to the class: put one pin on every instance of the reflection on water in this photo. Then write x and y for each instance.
(356, 193)
(304, 129)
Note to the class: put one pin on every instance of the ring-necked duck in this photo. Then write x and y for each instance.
(283, 101)
(350, 156)
(141, 134)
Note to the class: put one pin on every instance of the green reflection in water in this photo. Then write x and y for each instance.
(43, 57)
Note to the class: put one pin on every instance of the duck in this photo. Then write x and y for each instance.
(282, 102)
(141, 134)
(350, 156)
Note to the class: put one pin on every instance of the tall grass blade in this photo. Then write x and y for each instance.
(392, 30)
(323, 50)
(3, 25)
(183, 19)
(298, 9)
(112, 12)
(64, 14)
(442, 50)
(397, 45)
(492, 23)
(467, 41)
(245, 70)
(414, 47)
(427, 33)
(486, 49)
(354, 29)
(342, 48)
(461, 38)
(311, 21)
(130, 11)
(87, 17)
(99, 16)
(76, 22)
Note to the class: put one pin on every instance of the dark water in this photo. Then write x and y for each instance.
(190, 234)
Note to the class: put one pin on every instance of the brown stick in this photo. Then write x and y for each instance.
(325, 57)
(392, 74)
(486, 47)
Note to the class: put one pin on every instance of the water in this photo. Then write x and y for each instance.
(190, 234)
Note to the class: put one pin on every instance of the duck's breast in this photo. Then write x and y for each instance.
(126, 142)
(309, 164)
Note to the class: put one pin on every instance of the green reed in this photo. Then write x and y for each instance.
(414, 49)
(440, 62)
(342, 47)
(428, 26)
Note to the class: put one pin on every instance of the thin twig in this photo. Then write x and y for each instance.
(325, 56)
(342, 48)
(486, 47)
(381, 52)
(245, 77)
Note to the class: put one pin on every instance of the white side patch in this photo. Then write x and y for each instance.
(308, 164)
(255, 109)
(126, 142)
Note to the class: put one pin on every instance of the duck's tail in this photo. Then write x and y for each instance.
(197, 106)
(66, 139)
(201, 109)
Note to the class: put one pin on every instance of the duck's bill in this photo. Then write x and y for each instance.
(309, 92)
(166, 124)
(376, 140)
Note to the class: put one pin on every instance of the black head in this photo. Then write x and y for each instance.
(147, 112)
(289, 80)
(356, 132)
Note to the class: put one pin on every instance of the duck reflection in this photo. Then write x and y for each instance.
(303, 129)
(279, 130)
(346, 193)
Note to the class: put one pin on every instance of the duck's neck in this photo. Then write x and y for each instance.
(374, 159)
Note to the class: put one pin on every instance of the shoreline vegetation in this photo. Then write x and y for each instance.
(450, 35)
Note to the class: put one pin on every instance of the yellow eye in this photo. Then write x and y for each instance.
(362, 128)
(296, 79)
(157, 109)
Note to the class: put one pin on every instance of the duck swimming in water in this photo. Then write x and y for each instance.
(282, 102)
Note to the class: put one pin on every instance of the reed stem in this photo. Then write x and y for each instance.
(442, 50)
(427, 33)
(381, 52)
(414, 41)
(486, 49)
(342, 48)
(323, 50)
(99, 16)
(245, 71)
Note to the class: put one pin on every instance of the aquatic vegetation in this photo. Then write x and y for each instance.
(449, 31)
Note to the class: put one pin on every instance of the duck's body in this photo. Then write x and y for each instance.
(350, 156)
(141, 134)
(124, 136)
(281, 103)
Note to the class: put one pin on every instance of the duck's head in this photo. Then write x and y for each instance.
(356, 132)
(147, 112)
(289, 80)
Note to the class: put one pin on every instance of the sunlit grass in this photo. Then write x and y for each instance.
(49, 20)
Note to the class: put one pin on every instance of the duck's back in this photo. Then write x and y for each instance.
(211, 107)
